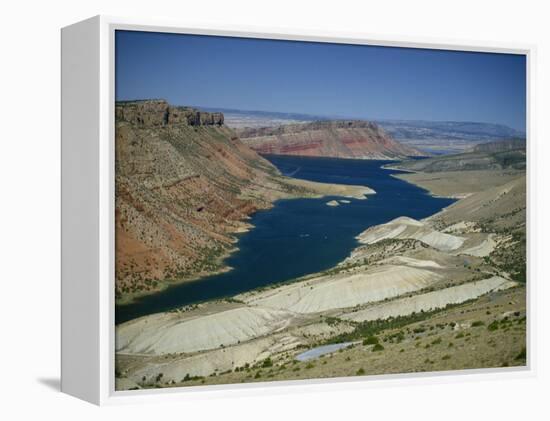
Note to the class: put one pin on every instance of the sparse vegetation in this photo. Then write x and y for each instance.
(371, 340)
(426, 339)
(371, 328)
(436, 341)
(267, 363)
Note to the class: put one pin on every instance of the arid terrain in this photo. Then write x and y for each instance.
(185, 184)
(444, 293)
(427, 136)
(336, 139)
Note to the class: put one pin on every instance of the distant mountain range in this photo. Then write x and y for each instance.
(438, 137)
(465, 130)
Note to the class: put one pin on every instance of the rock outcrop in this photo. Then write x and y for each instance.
(338, 139)
(155, 113)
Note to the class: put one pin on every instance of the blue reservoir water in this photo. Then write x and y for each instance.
(319, 351)
(300, 236)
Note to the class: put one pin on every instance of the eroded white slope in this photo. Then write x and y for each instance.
(407, 228)
(483, 248)
(431, 300)
(346, 290)
(411, 261)
(208, 362)
(170, 332)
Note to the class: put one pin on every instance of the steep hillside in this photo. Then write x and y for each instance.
(185, 184)
(338, 139)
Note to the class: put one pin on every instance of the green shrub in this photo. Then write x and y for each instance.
(371, 340)
(189, 377)
(377, 347)
(493, 326)
(360, 372)
(399, 337)
(373, 327)
(477, 323)
(436, 341)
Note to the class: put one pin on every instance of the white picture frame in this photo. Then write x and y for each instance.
(88, 213)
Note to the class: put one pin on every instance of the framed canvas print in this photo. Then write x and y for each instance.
(244, 210)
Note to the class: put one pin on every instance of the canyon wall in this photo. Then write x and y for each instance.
(337, 139)
(185, 184)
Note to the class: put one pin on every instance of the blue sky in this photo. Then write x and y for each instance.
(351, 81)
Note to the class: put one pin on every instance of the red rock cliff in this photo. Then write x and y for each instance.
(338, 139)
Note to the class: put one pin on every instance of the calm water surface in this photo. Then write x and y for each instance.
(300, 236)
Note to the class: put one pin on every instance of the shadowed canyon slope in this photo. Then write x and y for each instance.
(185, 184)
(337, 139)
